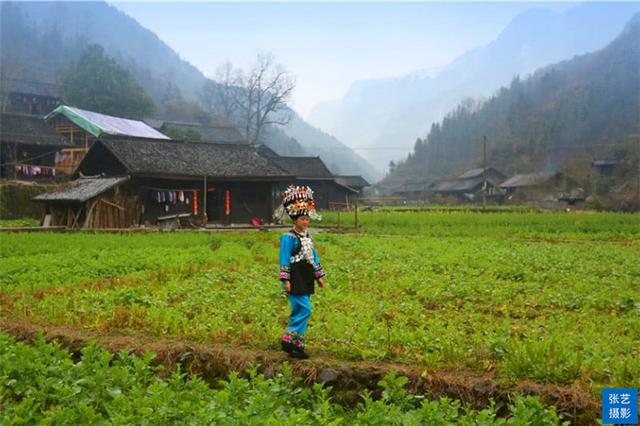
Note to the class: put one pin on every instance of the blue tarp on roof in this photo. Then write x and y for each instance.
(100, 124)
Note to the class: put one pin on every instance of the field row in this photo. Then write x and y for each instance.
(42, 384)
(507, 224)
(519, 309)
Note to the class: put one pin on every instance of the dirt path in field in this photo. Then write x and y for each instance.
(347, 378)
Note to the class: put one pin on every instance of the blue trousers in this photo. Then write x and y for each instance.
(300, 313)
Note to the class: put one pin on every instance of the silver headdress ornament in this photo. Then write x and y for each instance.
(298, 201)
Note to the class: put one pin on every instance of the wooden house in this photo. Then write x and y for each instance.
(469, 185)
(528, 182)
(411, 191)
(146, 181)
(352, 181)
(328, 193)
(28, 97)
(605, 167)
(197, 132)
(82, 128)
(28, 147)
(544, 189)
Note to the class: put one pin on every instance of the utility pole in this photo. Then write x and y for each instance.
(356, 215)
(424, 193)
(484, 173)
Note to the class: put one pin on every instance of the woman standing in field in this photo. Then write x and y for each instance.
(299, 267)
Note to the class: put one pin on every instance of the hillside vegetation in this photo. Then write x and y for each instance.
(561, 118)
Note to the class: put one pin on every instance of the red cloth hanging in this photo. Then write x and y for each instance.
(195, 203)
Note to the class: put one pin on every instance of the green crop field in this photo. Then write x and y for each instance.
(124, 389)
(551, 298)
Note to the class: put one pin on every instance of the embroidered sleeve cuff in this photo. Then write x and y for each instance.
(319, 272)
(285, 275)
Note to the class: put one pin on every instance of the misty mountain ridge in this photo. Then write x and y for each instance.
(39, 39)
(560, 118)
(395, 111)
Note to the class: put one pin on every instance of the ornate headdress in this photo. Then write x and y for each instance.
(298, 201)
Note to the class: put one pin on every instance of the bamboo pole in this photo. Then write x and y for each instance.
(88, 221)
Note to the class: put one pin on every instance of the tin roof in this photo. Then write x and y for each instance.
(100, 125)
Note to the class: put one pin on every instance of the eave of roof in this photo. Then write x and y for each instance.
(456, 185)
(353, 181)
(26, 129)
(212, 178)
(530, 179)
(81, 190)
(193, 159)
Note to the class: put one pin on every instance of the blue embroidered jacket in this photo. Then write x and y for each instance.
(289, 245)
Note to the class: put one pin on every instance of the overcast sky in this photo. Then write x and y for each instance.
(327, 46)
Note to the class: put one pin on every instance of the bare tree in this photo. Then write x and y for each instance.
(256, 98)
(208, 96)
(229, 90)
(273, 87)
(220, 96)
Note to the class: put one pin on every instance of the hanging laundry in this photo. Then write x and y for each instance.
(181, 196)
(31, 171)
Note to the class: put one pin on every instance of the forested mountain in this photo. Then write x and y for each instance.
(39, 39)
(560, 118)
(394, 112)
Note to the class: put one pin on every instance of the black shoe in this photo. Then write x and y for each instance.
(287, 347)
(298, 353)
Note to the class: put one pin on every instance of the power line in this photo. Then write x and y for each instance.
(359, 148)
(389, 148)
(29, 159)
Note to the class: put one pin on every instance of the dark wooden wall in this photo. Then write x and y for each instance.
(246, 200)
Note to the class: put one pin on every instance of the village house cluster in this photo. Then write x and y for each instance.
(547, 189)
(118, 173)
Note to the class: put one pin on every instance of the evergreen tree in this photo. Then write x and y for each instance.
(97, 83)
